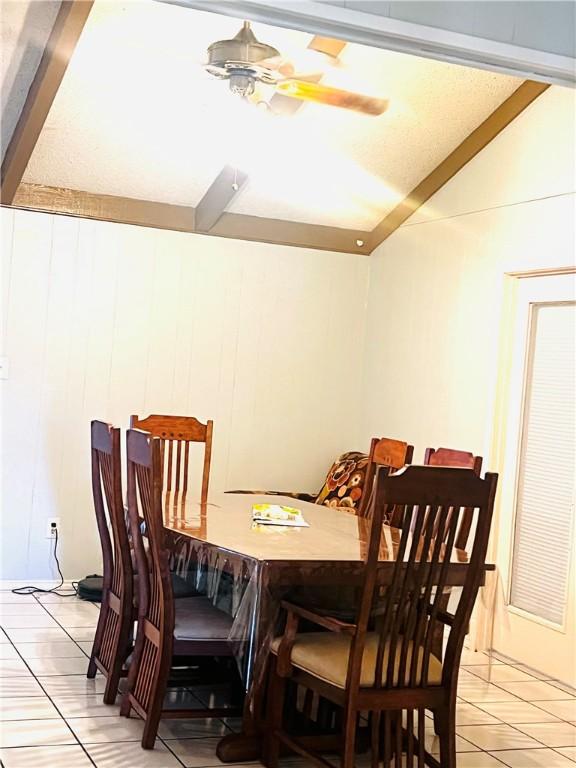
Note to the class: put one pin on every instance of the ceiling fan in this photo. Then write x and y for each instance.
(248, 64)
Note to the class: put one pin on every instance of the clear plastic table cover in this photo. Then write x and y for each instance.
(238, 585)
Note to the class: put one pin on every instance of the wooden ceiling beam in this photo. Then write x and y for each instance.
(218, 196)
(456, 160)
(65, 34)
(122, 210)
(296, 233)
(182, 218)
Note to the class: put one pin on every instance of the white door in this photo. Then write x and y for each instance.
(535, 602)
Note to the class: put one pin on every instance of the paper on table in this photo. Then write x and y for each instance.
(276, 514)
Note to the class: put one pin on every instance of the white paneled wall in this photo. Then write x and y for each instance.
(437, 285)
(103, 320)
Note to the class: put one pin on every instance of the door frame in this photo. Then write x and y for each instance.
(501, 443)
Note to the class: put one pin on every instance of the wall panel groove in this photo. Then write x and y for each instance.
(104, 320)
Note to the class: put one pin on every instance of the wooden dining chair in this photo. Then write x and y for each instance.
(449, 457)
(384, 452)
(113, 638)
(176, 434)
(168, 629)
(390, 671)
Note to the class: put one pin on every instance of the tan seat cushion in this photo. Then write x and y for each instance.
(198, 619)
(325, 655)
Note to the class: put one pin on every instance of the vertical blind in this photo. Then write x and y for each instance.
(546, 486)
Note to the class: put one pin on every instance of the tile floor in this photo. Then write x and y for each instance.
(51, 716)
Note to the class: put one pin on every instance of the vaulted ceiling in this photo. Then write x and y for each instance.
(134, 118)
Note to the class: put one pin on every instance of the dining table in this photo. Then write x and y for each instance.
(247, 568)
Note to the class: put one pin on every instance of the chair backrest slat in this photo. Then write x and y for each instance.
(144, 473)
(450, 457)
(384, 452)
(109, 508)
(177, 432)
(432, 502)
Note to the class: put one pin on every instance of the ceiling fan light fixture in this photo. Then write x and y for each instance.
(242, 83)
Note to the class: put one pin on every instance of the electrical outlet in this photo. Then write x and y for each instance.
(51, 525)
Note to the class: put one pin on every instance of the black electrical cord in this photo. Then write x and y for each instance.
(54, 590)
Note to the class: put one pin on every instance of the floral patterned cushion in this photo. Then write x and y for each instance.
(344, 483)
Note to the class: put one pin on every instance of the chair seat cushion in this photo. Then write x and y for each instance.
(325, 655)
(198, 619)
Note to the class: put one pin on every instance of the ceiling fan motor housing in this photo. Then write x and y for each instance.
(238, 60)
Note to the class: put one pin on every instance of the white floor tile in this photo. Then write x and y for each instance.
(3, 638)
(45, 757)
(517, 712)
(51, 650)
(476, 657)
(86, 706)
(21, 609)
(11, 687)
(502, 673)
(182, 699)
(533, 758)
(565, 710)
(187, 729)
(470, 714)
(477, 760)
(493, 737)
(41, 621)
(131, 754)
(483, 691)
(27, 708)
(52, 597)
(72, 606)
(37, 635)
(72, 619)
(74, 666)
(18, 733)
(10, 597)
(551, 734)
(86, 646)
(533, 672)
(82, 634)
(213, 696)
(8, 651)
(462, 745)
(69, 685)
(95, 730)
(13, 668)
(196, 753)
(564, 687)
(536, 691)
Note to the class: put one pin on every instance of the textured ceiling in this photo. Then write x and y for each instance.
(137, 116)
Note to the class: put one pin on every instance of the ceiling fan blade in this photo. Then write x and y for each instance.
(334, 97)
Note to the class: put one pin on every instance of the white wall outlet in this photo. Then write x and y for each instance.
(52, 524)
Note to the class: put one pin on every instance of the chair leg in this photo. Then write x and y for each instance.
(445, 719)
(349, 735)
(151, 727)
(161, 664)
(276, 694)
(102, 618)
(92, 669)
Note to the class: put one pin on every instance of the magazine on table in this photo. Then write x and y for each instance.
(277, 514)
